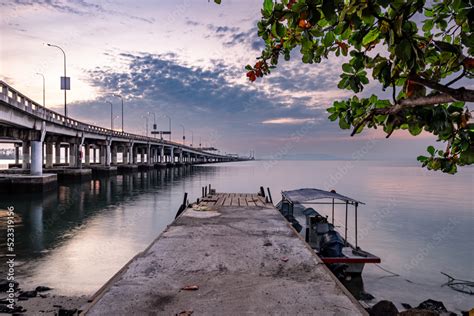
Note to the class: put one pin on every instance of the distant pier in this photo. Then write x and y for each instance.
(229, 254)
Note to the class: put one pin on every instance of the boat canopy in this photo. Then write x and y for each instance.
(307, 194)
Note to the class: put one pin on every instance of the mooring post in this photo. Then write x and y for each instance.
(262, 191)
(269, 195)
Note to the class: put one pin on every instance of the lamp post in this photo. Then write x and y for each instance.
(192, 138)
(121, 98)
(111, 115)
(199, 141)
(65, 78)
(44, 90)
(146, 124)
(184, 133)
(169, 122)
(154, 120)
(115, 117)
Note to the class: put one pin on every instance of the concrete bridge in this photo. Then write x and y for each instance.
(42, 135)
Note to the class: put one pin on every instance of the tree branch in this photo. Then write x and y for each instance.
(460, 94)
(407, 104)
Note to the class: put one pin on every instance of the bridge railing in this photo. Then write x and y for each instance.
(15, 98)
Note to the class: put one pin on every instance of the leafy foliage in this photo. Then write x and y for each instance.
(418, 62)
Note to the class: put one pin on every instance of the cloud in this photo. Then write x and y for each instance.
(77, 7)
(289, 121)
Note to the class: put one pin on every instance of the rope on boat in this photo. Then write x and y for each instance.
(459, 285)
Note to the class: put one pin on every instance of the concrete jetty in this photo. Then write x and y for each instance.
(231, 254)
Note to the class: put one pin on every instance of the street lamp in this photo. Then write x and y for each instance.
(199, 141)
(44, 85)
(64, 84)
(192, 138)
(121, 98)
(154, 121)
(169, 121)
(111, 115)
(184, 133)
(146, 122)
(115, 117)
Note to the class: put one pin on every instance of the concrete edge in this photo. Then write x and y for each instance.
(101, 291)
(320, 262)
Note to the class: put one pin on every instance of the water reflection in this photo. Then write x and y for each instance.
(74, 239)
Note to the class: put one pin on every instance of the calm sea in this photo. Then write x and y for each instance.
(420, 223)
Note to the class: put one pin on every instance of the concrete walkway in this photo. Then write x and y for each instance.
(244, 260)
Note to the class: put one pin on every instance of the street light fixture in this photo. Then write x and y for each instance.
(121, 98)
(184, 133)
(64, 84)
(192, 138)
(44, 90)
(111, 115)
(146, 124)
(154, 121)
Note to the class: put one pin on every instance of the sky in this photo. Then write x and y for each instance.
(184, 59)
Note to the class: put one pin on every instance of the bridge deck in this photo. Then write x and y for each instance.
(233, 254)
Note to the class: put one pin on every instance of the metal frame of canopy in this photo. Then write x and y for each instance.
(305, 196)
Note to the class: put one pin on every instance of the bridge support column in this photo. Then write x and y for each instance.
(57, 152)
(172, 155)
(25, 160)
(142, 155)
(87, 154)
(162, 154)
(36, 158)
(125, 155)
(102, 154)
(114, 154)
(148, 154)
(108, 155)
(73, 150)
(17, 154)
(134, 155)
(180, 159)
(66, 154)
(49, 155)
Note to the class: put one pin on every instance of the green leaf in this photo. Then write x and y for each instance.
(268, 6)
(431, 150)
(347, 68)
(371, 36)
(217, 1)
(404, 50)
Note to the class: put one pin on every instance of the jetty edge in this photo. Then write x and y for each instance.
(229, 254)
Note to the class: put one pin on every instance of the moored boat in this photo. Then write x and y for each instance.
(334, 250)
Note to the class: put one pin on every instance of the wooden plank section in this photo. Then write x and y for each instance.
(228, 200)
(242, 201)
(250, 201)
(244, 261)
(235, 200)
(220, 200)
